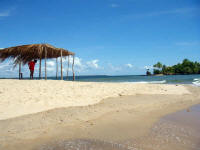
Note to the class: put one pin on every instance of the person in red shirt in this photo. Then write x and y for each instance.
(31, 65)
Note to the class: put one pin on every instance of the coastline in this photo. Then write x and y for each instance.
(112, 119)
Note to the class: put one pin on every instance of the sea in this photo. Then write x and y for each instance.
(168, 79)
(165, 79)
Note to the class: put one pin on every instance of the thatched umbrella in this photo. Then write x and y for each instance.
(25, 53)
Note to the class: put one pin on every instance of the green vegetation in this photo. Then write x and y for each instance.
(186, 67)
(148, 73)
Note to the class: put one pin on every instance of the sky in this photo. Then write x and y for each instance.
(109, 37)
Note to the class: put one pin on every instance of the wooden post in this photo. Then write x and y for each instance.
(68, 68)
(40, 67)
(45, 64)
(61, 64)
(20, 69)
(56, 68)
(73, 69)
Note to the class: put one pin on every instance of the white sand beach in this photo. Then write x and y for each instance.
(36, 114)
(22, 97)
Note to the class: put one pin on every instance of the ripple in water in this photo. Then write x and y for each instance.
(196, 82)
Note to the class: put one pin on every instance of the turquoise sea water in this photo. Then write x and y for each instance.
(170, 79)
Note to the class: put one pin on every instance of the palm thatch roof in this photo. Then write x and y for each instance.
(26, 53)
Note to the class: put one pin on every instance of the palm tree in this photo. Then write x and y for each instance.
(158, 65)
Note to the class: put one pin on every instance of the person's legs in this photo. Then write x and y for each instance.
(31, 74)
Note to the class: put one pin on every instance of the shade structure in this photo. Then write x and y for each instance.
(25, 53)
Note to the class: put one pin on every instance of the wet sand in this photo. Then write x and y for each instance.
(189, 117)
(126, 122)
(178, 131)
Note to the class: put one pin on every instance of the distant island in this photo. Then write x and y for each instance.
(184, 68)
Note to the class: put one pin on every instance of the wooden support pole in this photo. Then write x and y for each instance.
(20, 69)
(61, 65)
(45, 64)
(68, 68)
(40, 68)
(73, 69)
(56, 68)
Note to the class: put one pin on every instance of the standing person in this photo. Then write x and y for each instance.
(31, 65)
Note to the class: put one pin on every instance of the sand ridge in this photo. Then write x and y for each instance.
(21, 97)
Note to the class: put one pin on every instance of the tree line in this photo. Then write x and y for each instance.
(186, 67)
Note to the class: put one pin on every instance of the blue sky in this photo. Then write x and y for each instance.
(111, 37)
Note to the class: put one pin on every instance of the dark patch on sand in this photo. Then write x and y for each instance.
(83, 144)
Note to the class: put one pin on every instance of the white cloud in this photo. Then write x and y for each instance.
(5, 13)
(50, 69)
(114, 68)
(129, 65)
(148, 67)
(51, 63)
(114, 5)
(175, 11)
(79, 66)
(5, 65)
(93, 64)
(77, 61)
(10, 70)
(188, 43)
(178, 11)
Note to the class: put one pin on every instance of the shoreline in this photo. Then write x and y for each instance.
(112, 119)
